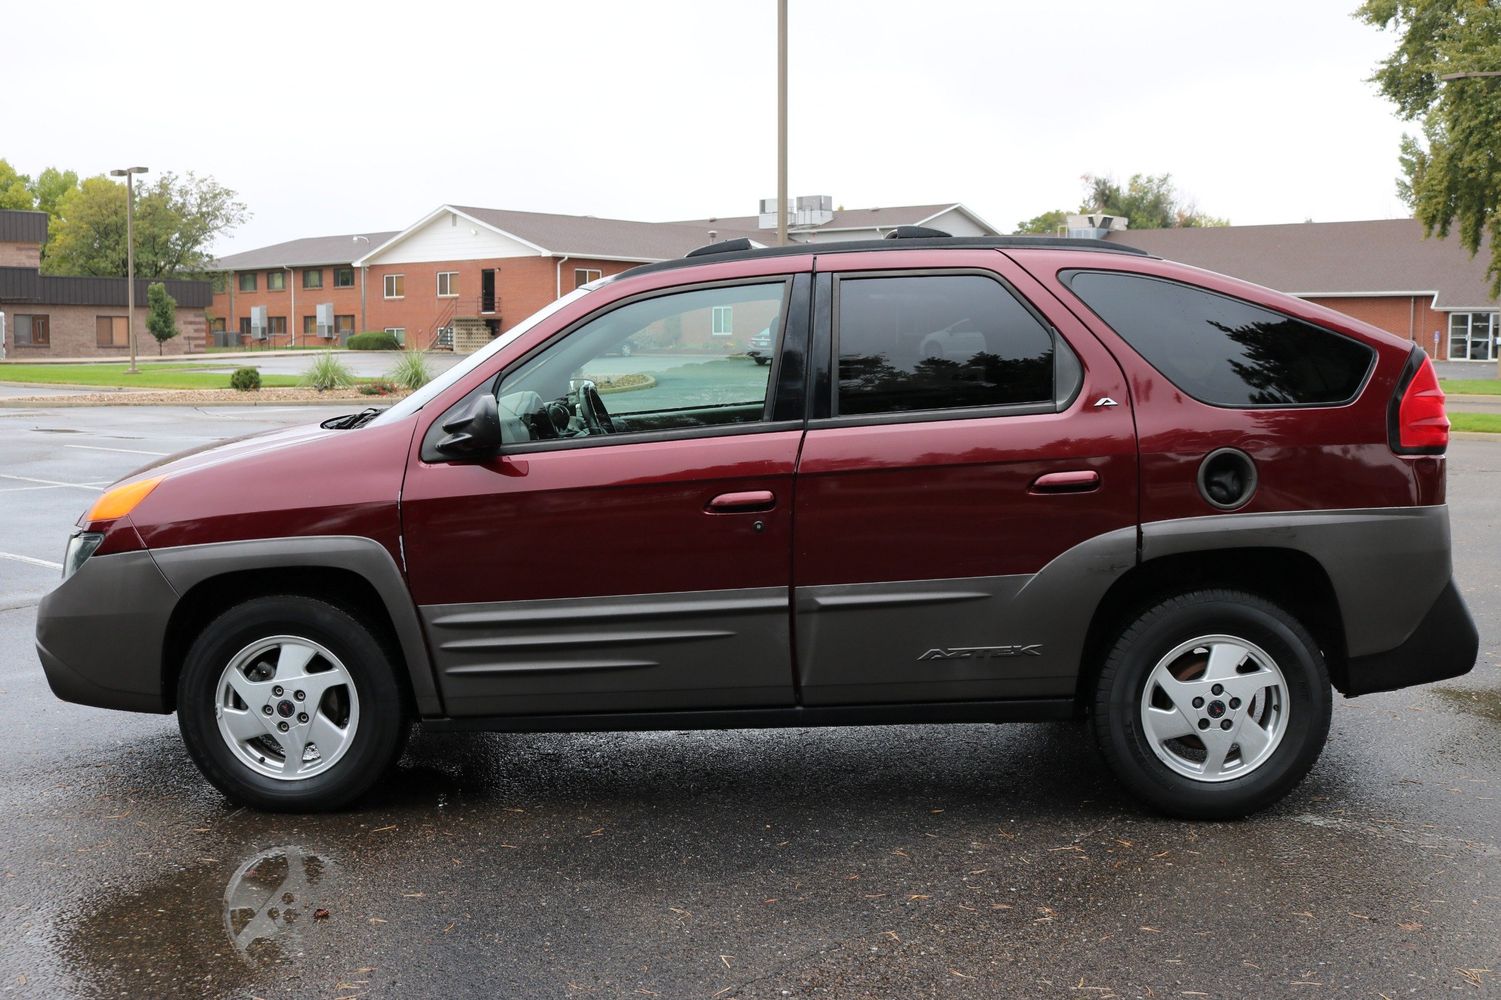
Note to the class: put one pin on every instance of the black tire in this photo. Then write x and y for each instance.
(1144, 642)
(375, 745)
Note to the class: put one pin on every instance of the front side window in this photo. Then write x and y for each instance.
(448, 283)
(343, 277)
(112, 331)
(655, 364)
(312, 278)
(396, 286)
(276, 281)
(1221, 350)
(33, 331)
(247, 281)
(938, 342)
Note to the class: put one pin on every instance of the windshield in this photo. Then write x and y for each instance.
(420, 398)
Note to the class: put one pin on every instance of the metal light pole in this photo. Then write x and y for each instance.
(1470, 76)
(781, 123)
(130, 257)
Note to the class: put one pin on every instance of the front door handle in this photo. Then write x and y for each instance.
(1080, 481)
(749, 502)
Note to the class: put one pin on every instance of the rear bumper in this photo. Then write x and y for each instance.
(99, 634)
(1445, 644)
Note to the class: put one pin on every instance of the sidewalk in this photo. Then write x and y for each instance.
(200, 358)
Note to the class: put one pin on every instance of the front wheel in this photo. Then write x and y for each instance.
(290, 704)
(1213, 704)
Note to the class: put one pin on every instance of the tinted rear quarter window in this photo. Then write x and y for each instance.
(1221, 350)
(938, 341)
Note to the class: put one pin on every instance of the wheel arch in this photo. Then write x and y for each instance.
(357, 575)
(1290, 578)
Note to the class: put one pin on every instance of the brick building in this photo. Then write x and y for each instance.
(66, 317)
(479, 271)
(1429, 291)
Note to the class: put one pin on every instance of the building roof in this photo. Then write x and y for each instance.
(18, 226)
(844, 218)
(1380, 257)
(588, 236)
(25, 285)
(345, 249)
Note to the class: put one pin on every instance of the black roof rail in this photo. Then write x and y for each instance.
(914, 243)
(723, 246)
(917, 233)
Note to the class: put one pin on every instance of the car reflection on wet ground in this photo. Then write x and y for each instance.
(958, 861)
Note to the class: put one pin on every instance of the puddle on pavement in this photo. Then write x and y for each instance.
(1486, 704)
(191, 928)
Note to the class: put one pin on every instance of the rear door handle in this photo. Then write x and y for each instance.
(748, 502)
(1081, 481)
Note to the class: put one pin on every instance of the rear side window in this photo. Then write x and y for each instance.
(937, 342)
(1221, 350)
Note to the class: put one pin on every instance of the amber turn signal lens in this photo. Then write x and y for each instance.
(122, 499)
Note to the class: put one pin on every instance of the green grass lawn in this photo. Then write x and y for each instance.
(168, 376)
(1489, 423)
(1475, 386)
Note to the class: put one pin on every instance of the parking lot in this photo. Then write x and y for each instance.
(906, 861)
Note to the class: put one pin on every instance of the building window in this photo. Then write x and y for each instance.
(448, 284)
(343, 277)
(245, 329)
(276, 281)
(247, 281)
(399, 332)
(344, 324)
(216, 325)
(312, 277)
(276, 326)
(32, 331)
(112, 331)
(1472, 336)
(310, 326)
(396, 286)
(724, 321)
(584, 275)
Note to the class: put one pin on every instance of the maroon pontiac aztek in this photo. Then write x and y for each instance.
(975, 480)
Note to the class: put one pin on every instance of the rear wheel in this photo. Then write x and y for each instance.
(289, 703)
(1213, 704)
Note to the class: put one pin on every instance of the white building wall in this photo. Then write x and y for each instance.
(452, 237)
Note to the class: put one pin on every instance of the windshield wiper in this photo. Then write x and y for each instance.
(349, 421)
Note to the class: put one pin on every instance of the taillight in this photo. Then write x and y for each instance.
(1417, 424)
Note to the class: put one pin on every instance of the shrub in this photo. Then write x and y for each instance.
(412, 371)
(328, 372)
(373, 340)
(245, 379)
(379, 387)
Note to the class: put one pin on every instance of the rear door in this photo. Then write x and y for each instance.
(634, 558)
(967, 488)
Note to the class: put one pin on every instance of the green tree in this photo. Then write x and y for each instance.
(176, 218)
(161, 314)
(1453, 173)
(1148, 201)
(15, 188)
(49, 188)
(1046, 224)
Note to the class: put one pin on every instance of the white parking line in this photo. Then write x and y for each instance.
(122, 451)
(52, 482)
(44, 563)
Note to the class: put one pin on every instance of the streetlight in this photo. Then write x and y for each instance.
(781, 123)
(1470, 76)
(130, 257)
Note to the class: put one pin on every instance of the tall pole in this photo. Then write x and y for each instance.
(781, 122)
(130, 266)
(130, 257)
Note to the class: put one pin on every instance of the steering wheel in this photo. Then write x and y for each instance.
(591, 408)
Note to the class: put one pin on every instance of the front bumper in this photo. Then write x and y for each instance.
(99, 634)
(1444, 645)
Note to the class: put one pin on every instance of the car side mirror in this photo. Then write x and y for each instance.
(474, 433)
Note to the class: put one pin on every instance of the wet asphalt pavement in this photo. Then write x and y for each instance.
(910, 861)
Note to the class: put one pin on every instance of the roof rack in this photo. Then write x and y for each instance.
(728, 251)
(917, 233)
(723, 246)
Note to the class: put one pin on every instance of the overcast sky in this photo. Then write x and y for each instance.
(342, 117)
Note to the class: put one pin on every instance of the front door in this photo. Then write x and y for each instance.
(487, 290)
(967, 488)
(629, 548)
